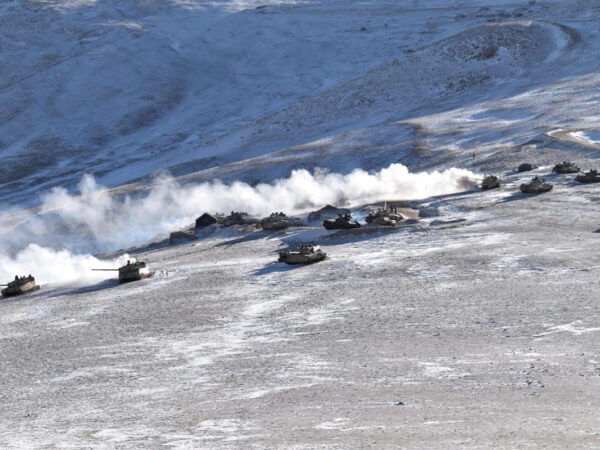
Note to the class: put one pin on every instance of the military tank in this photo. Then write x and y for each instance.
(591, 176)
(536, 186)
(19, 286)
(525, 167)
(239, 218)
(276, 221)
(565, 167)
(132, 271)
(490, 182)
(387, 217)
(343, 222)
(306, 253)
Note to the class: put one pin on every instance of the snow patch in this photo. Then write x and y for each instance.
(574, 328)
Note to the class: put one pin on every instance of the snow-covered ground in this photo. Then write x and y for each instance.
(474, 328)
(485, 331)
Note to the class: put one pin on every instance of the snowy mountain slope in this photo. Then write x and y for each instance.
(471, 66)
(91, 88)
(104, 89)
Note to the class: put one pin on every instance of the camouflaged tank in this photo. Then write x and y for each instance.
(565, 167)
(387, 217)
(591, 176)
(20, 285)
(490, 182)
(343, 222)
(276, 221)
(525, 167)
(536, 186)
(306, 253)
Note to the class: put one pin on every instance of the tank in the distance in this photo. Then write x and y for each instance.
(306, 253)
(591, 176)
(343, 222)
(133, 271)
(566, 167)
(490, 182)
(20, 285)
(239, 218)
(387, 217)
(535, 186)
(276, 221)
(525, 167)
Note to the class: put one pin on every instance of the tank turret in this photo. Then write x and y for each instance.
(535, 186)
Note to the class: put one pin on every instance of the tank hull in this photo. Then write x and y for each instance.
(133, 275)
(490, 185)
(274, 226)
(20, 290)
(383, 220)
(525, 167)
(535, 190)
(566, 168)
(298, 258)
(337, 225)
(587, 179)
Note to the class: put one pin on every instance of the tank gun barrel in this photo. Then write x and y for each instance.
(105, 270)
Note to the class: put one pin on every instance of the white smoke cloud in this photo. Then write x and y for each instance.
(56, 266)
(119, 222)
(96, 221)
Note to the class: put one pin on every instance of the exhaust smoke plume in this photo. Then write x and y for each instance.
(96, 221)
(54, 266)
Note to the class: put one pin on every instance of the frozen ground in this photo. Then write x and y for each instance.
(485, 330)
(477, 328)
